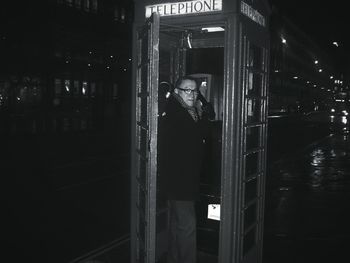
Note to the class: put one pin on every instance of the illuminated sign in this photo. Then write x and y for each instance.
(252, 14)
(184, 8)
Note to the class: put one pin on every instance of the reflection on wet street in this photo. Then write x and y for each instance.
(307, 215)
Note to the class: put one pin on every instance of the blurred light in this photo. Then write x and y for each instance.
(213, 29)
(332, 110)
(308, 82)
(316, 61)
(284, 41)
(345, 112)
(111, 56)
(89, 65)
(335, 43)
(67, 61)
(344, 120)
(129, 59)
(320, 70)
(295, 77)
(331, 77)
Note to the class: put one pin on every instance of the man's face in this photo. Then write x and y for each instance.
(188, 92)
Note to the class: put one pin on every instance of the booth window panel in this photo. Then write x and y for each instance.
(251, 164)
(143, 112)
(144, 49)
(162, 220)
(251, 190)
(255, 58)
(252, 137)
(141, 249)
(142, 172)
(253, 108)
(250, 216)
(142, 197)
(143, 143)
(254, 84)
(144, 78)
(249, 240)
(141, 227)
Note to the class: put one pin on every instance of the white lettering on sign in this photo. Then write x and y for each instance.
(252, 14)
(184, 8)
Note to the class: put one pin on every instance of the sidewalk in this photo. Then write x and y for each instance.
(307, 211)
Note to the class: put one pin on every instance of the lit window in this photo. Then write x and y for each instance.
(67, 85)
(122, 15)
(84, 88)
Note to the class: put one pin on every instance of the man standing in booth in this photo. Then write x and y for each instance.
(183, 131)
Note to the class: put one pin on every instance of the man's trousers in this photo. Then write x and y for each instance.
(182, 247)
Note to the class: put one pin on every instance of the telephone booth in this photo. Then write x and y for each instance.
(225, 44)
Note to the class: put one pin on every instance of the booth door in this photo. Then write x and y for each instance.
(254, 66)
(144, 179)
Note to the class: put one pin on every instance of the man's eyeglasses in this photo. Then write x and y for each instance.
(189, 91)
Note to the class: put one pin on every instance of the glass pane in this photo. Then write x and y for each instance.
(250, 216)
(253, 110)
(142, 202)
(142, 178)
(144, 77)
(249, 240)
(255, 57)
(143, 143)
(253, 138)
(254, 85)
(251, 190)
(251, 164)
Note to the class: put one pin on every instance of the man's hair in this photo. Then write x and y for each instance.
(187, 77)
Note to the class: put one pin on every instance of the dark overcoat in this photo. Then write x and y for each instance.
(181, 151)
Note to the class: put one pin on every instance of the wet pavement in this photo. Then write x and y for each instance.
(307, 213)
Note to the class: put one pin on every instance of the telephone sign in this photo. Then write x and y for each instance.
(184, 8)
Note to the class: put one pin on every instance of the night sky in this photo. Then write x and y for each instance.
(324, 21)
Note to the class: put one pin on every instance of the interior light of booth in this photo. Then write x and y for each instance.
(213, 29)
